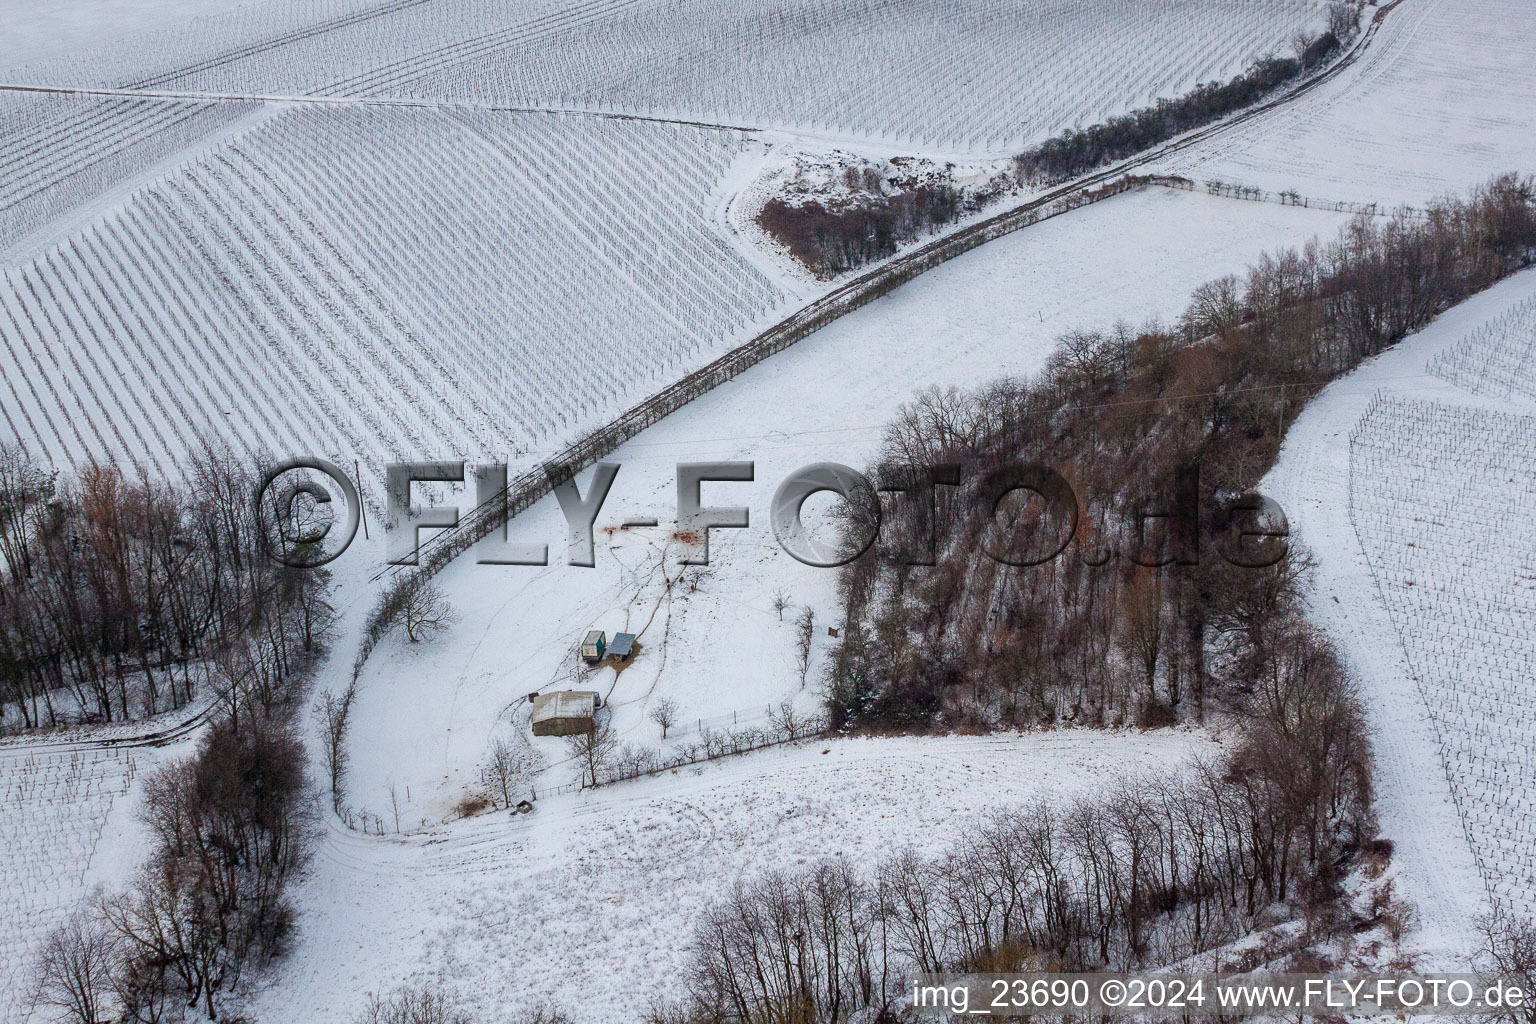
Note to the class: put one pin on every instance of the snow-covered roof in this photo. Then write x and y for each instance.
(565, 704)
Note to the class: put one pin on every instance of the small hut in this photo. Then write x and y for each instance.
(565, 712)
(594, 646)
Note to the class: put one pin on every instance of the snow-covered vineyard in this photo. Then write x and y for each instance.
(354, 262)
(1444, 499)
(822, 67)
(355, 257)
(376, 231)
(1498, 360)
(53, 811)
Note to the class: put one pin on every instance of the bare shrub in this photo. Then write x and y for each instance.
(805, 630)
(431, 1005)
(408, 1005)
(425, 610)
(75, 969)
(664, 713)
(594, 751)
(1511, 946)
(509, 768)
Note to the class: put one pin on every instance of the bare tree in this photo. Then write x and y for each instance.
(425, 610)
(1342, 20)
(780, 603)
(1511, 944)
(429, 1005)
(805, 627)
(1140, 629)
(785, 721)
(664, 713)
(74, 970)
(509, 767)
(594, 750)
(331, 712)
(413, 1006)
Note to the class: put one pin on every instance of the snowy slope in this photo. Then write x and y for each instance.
(38, 32)
(382, 284)
(1442, 101)
(426, 713)
(975, 75)
(67, 825)
(1359, 597)
(590, 901)
(1442, 499)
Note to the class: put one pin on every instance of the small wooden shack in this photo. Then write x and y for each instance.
(565, 712)
(594, 646)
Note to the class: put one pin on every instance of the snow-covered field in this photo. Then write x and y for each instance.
(976, 75)
(589, 902)
(374, 280)
(1444, 502)
(391, 280)
(426, 714)
(1441, 102)
(66, 825)
(382, 284)
(406, 272)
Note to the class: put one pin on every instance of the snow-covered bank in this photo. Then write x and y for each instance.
(1441, 102)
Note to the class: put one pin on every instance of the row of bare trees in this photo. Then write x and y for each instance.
(1078, 150)
(118, 599)
(230, 825)
(1157, 607)
(1156, 871)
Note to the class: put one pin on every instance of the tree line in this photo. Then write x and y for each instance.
(940, 635)
(1154, 872)
(1162, 434)
(120, 598)
(1077, 151)
(229, 825)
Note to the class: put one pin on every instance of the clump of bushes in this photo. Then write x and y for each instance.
(833, 238)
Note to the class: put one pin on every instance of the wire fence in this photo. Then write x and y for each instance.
(1286, 197)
